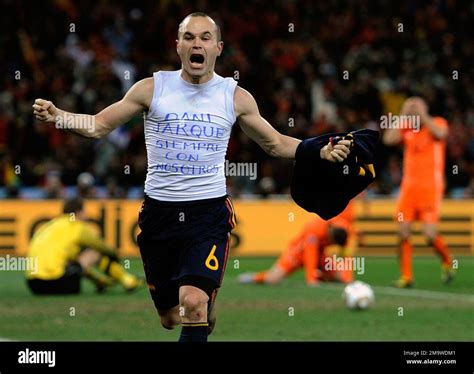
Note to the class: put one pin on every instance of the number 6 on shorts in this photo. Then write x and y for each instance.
(211, 261)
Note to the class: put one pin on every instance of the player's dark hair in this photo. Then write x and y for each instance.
(202, 14)
(339, 235)
(73, 205)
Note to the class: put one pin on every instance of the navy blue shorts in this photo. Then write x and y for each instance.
(184, 243)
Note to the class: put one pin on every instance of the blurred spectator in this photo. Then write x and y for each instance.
(9, 176)
(85, 186)
(113, 190)
(53, 185)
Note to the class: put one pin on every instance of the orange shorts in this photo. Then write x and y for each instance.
(423, 205)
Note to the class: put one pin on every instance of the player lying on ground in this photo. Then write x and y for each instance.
(313, 249)
(422, 186)
(187, 216)
(66, 249)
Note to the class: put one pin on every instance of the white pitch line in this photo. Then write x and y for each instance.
(438, 295)
(5, 339)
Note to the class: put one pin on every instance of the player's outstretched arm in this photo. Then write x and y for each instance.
(271, 141)
(135, 101)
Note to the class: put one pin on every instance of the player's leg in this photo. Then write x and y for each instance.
(107, 272)
(116, 271)
(405, 256)
(202, 268)
(165, 298)
(287, 263)
(438, 243)
(430, 218)
(406, 213)
(88, 259)
(272, 276)
(275, 275)
(170, 318)
(160, 249)
(193, 302)
(159, 261)
(211, 311)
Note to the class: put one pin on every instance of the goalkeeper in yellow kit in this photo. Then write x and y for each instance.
(66, 249)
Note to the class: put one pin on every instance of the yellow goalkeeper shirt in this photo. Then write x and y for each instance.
(58, 242)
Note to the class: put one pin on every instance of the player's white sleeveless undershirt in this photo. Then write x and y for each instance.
(187, 131)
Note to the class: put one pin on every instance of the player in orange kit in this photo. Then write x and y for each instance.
(314, 249)
(422, 186)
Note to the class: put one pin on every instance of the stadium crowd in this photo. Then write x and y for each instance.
(313, 67)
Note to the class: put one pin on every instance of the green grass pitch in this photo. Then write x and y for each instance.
(289, 312)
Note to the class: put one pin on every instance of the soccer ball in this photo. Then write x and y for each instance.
(358, 295)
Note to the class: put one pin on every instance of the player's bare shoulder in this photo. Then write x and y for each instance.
(244, 103)
(142, 92)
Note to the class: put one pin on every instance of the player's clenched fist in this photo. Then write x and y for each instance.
(45, 110)
(336, 153)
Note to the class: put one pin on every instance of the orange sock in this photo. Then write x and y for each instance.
(260, 277)
(442, 250)
(406, 252)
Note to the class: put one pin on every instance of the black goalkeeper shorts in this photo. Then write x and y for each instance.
(184, 243)
(68, 284)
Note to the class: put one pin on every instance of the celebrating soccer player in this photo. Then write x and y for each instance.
(187, 216)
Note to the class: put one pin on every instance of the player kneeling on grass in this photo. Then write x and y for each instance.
(314, 250)
(66, 249)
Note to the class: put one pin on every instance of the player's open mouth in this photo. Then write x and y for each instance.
(196, 60)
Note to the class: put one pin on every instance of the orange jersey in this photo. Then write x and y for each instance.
(307, 249)
(423, 158)
(316, 228)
